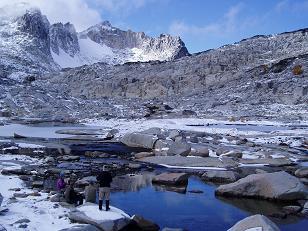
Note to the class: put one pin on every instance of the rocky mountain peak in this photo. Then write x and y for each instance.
(115, 38)
(35, 24)
(64, 36)
(106, 24)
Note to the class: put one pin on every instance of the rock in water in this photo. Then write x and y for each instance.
(171, 179)
(145, 224)
(115, 219)
(220, 176)
(139, 140)
(257, 223)
(274, 186)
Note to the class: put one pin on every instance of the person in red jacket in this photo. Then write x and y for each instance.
(104, 180)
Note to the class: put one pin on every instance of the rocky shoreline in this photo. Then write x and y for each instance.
(240, 165)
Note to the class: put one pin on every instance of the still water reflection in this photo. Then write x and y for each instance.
(194, 211)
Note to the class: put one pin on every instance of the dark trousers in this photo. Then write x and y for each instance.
(77, 199)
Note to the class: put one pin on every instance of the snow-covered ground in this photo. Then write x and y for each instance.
(37, 213)
(38, 209)
(126, 126)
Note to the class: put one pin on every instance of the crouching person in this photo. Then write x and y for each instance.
(73, 197)
(104, 180)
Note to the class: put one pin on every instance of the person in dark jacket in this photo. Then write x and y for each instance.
(73, 197)
(104, 180)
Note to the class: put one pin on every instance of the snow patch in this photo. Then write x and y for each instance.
(188, 167)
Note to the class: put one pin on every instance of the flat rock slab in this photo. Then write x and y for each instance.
(273, 186)
(84, 137)
(81, 228)
(255, 223)
(112, 220)
(171, 179)
(277, 162)
(181, 161)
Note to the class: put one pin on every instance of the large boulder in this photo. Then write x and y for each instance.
(302, 172)
(144, 224)
(171, 179)
(162, 146)
(179, 148)
(199, 150)
(114, 219)
(257, 223)
(160, 133)
(220, 176)
(173, 134)
(274, 186)
(305, 209)
(69, 158)
(139, 140)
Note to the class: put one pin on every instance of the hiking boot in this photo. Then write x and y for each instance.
(100, 205)
(107, 205)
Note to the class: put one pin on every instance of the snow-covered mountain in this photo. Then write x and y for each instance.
(105, 43)
(30, 45)
(24, 44)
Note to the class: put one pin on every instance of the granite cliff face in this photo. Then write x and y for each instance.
(64, 36)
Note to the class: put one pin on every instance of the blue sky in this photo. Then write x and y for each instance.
(202, 24)
(205, 24)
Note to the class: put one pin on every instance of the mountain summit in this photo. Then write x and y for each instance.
(30, 45)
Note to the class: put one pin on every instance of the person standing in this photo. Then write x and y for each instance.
(104, 180)
(61, 183)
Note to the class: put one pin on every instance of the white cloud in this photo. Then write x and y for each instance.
(291, 6)
(228, 23)
(282, 5)
(120, 5)
(77, 12)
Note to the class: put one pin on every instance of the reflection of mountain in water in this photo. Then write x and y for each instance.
(131, 182)
(261, 207)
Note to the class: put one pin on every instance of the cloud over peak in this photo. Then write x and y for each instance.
(77, 12)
